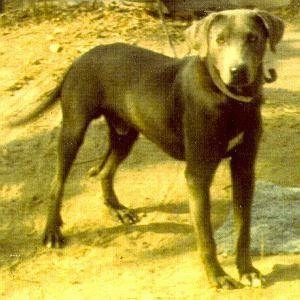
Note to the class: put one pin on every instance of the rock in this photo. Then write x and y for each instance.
(274, 224)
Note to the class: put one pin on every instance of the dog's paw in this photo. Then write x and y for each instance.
(124, 215)
(53, 238)
(226, 282)
(252, 279)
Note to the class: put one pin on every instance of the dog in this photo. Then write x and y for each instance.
(198, 109)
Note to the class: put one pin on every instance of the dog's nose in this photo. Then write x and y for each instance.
(239, 74)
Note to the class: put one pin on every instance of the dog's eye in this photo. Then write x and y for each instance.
(221, 40)
(252, 38)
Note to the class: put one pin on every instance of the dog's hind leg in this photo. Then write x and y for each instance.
(119, 149)
(70, 139)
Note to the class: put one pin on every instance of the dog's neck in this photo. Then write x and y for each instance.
(243, 94)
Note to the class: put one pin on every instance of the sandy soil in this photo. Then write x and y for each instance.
(157, 257)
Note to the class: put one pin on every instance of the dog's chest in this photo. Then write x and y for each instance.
(238, 120)
(235, 141)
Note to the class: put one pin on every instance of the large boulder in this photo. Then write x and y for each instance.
(260, 4)
(194, 7)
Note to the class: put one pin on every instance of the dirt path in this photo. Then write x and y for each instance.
(156, 258)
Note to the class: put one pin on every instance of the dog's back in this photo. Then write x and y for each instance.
(130, 86)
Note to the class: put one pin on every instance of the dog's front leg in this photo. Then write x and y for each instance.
(242, 172)
(204, 145)
(199, 185)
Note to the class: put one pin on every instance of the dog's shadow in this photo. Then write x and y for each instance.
(283, 272)
(174, 208)
(182, 240)
(106, 236)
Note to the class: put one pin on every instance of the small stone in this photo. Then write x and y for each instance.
(49, 37)
(58, 30)
(37, 62)
(55, 48)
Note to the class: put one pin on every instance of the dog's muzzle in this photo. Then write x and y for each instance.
(239, 75)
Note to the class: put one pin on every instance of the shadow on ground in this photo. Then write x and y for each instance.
(283, 272)
(26, 171)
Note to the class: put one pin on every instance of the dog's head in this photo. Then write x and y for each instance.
(235, 43)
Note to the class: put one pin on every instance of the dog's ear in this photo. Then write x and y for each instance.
(269, 66)
(274, 27)
(197, 34)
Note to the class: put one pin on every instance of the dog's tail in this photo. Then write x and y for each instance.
(50, 99)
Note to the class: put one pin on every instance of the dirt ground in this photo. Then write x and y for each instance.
(157, 257)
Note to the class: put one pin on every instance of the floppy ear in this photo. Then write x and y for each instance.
(269, 66)
(197, 34)
(274, 27)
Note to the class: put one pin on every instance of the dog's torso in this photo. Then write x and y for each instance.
(159, 100)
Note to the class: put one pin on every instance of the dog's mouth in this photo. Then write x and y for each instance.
(238, 84)
(238, 91)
